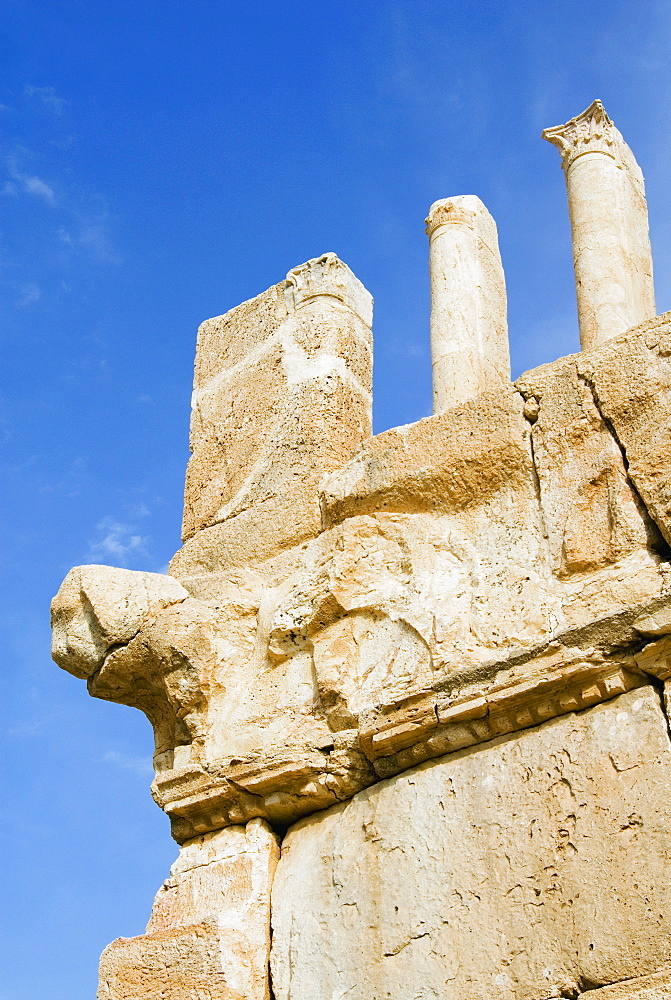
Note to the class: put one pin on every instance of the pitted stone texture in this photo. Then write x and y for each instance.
(282, 393)
(525, 870)
(209, 932)
(393, 602)
(654, 987)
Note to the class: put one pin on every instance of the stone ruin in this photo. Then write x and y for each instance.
(409, 691)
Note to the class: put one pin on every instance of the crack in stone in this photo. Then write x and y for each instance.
(659, 688)
(534, 469)
(587, 986)
(654, 531)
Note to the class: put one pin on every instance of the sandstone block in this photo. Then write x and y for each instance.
(98, 607)
(282, 393)
(209, 932)
(533, 867)
(656, 622)
(447, 462)
(592, 515)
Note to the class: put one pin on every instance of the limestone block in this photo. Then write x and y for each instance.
(282, 393)
(209, 931)
(656, 622)
(630, 378)
(600, 607)
(395, 603)
(655, 658)
(469, 325)
(447, 462)
(609, 225)
(591, 514)
(533, 867)
(98, 607)
(654, 987)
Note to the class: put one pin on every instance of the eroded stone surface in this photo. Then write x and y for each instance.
(99, 607)
(449, 587)
(506, 554)
(654, 987)
(237, 733)
(209, 931)
(631, 382)
(534, 865)
(282, 393)
(591, 515)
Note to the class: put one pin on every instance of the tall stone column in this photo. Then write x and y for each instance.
(469, 330)
(609, 226)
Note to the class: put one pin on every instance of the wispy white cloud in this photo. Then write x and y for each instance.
(118, 542)
(26, 183)
(79, 228)
(35, 185)
(138, 509)
(90, 234)
(28, 293)
(29, 728)
(29, 185)
(48, 97)
(140, 765)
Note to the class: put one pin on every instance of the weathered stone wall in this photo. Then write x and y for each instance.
(532, 866)
(481, 579)
(432, 664)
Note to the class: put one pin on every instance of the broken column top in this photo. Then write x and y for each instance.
(469, 330)
(466, 210)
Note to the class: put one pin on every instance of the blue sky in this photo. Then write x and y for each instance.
(162, 162)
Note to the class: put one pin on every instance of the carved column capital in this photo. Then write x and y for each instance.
(327, 275)
(450, 210)
(590, 132)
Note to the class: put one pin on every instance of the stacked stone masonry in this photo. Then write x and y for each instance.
(409, 692)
